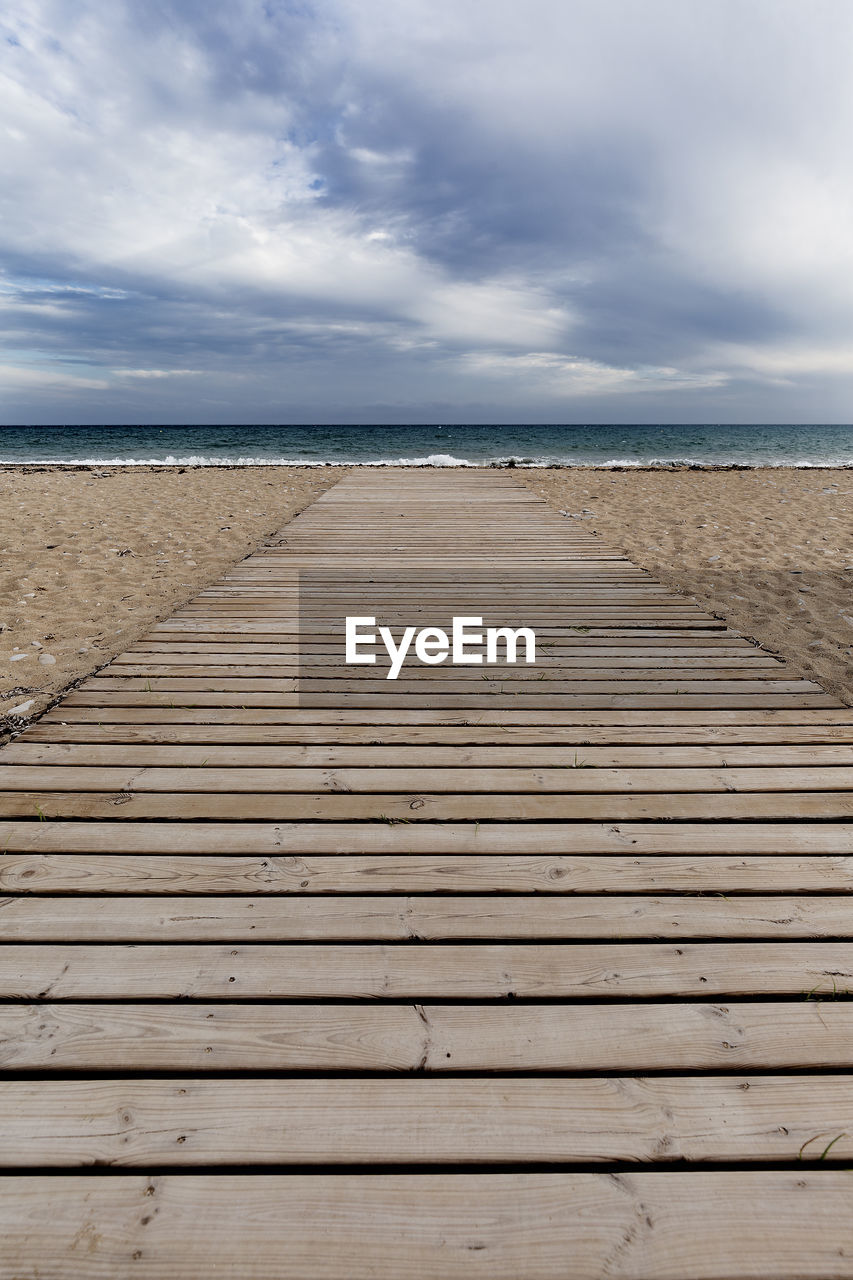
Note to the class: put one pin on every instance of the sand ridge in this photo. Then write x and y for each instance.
(768, 549)
(91, 557)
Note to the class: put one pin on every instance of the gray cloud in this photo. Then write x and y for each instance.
(253, 211)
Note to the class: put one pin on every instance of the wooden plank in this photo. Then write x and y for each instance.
(404, 755)
(188, 633)
(653, 613)
(379, 717)
(281, 632)
(498, 719)
(584, 607)
(415, 971)
(561, 874)
(283, 839)
(559, 675)
(662, 1226)
(394, 918)
(413, 807)
(609, 655)
(183, 698)
(186, 1122)
(576, 776)
(195, 1036)
(577, 738)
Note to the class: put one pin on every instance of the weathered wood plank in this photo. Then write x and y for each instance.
(123, 805)
(378, 717)
(285, 838)
(509, 1037)
(561, 874)
(393, 918)
(422, 971)
(186, 1122)
(662, 1226)
(206, 730)
(577, 775)
(365, 756)
(184, 698)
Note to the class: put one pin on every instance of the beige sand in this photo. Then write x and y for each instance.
(90, 558)
(769, 550)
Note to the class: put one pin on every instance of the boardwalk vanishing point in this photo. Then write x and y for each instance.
(523, 973)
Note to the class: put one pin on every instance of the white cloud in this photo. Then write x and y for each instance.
(783, 364)
(490, 312)
(156, 373)
(558, 375)
(216, 206)
(16, 378)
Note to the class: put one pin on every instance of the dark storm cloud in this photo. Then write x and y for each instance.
(277, 211)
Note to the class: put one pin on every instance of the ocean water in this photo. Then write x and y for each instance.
(440, 445)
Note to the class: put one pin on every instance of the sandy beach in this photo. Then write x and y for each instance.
(770, 550)
(90, 558)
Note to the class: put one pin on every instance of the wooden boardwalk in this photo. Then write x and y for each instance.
(519, 973)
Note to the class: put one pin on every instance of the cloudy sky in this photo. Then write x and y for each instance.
(426, 210)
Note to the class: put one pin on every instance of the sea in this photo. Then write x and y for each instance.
(438, 445)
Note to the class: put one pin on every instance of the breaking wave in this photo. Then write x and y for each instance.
(224, 460)
(430, 460)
